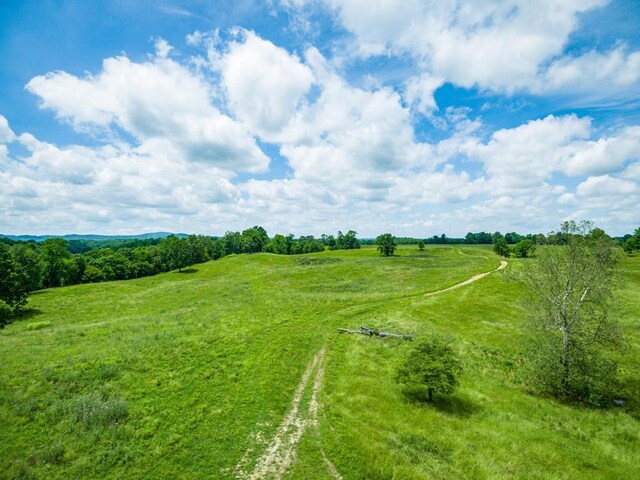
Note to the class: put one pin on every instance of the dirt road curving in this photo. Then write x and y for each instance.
(475, 278)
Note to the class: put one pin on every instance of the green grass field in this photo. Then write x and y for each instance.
(190, 375)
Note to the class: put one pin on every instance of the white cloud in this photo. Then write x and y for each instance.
(612, 73)
(606, 186)
(632, 172)
(420, 90)
(157, 99)
(606, 154)
(265, 85)
(6, 134)
(526, 156)
(506, 46)
(353, 151)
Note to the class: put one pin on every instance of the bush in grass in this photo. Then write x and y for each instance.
(93, 412)
(432, 365)
(38, 325)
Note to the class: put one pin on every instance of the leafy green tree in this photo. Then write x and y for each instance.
(232, 242)
(421, 245)
(198, 246)
(630, 245)
(513, 238)
(175, 253)
(280, 244)
(349, 240)
(25, 255)
(217, 248)
(254, 239)
(524, 248)
(501, 248)
(432, 363)
(13, 294)
(571, 331)
(92, 274)
(55, 266)
(386, 244)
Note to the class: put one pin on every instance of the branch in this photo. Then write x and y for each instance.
(579, 305)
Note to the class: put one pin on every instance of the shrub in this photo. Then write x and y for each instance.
(431, 364)
(93, 412)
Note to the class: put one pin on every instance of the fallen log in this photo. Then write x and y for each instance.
(374, 331)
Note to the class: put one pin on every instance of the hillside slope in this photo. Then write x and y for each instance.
(190, 375)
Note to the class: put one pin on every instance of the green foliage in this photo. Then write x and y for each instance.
(386, 244)
(38, 325)
(209, 362)
(92, 411)
(432, 364)
(13, 285)
(92, 274)
(571, 332)
(55, 262)
(24, 254)
(176, 253)
(280, 244)
(421, 245)
(524, 248)
(632, 243)
(347, 241)
(501, 248)
(254, 239)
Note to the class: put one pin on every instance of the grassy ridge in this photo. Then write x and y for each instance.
(189, 375)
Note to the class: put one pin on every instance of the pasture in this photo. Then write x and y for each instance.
(191, 375)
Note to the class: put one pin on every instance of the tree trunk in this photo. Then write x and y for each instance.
(565, 363)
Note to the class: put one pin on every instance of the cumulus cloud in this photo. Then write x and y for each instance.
(124, 187)
(354, 155)
(153, 100)
(506, 46)
(265, 85)
(612, 73)
(6, 134)
(606, 186)
(527, 156)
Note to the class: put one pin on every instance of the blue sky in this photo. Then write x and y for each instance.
(311, 116)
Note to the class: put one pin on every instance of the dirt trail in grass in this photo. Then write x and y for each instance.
(281, 451)
(475, 278)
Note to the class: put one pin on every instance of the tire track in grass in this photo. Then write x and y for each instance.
(475, 278)
(282, 450)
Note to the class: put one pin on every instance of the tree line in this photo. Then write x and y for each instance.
(29, 266)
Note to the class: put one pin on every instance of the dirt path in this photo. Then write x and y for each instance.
(281, 451)
(475, 278)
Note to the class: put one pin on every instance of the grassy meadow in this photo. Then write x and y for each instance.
(189, 375)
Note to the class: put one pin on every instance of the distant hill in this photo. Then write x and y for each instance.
(98, 238)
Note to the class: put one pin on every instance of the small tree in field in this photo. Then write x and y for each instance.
(501, 247)
(421, 245)
(432, 364)
(386, 244)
